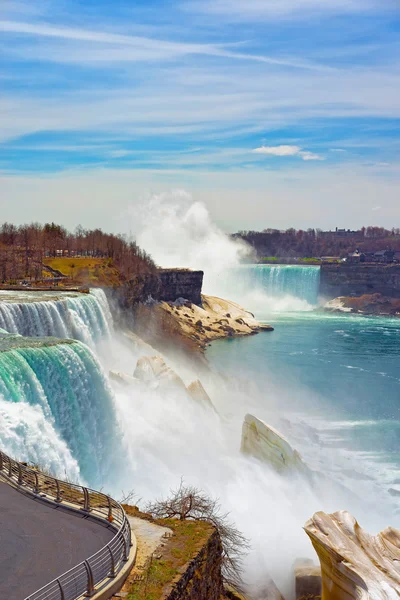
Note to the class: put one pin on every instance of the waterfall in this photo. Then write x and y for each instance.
(84, 317)
(56, 406)
(286, 280)
(266, 289)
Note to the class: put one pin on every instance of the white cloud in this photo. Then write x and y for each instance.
(277, 150)
(305, 155)
(287, 151)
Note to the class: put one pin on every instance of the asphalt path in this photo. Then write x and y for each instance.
(38, 542)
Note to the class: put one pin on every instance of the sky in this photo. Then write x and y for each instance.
(274, 113)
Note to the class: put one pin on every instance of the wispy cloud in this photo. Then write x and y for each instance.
(287, 151)
(133, 48)
(274, 9)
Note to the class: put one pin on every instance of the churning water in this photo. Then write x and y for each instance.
(84, 317)
(329, 382)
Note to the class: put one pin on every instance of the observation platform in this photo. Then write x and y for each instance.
(38, 542)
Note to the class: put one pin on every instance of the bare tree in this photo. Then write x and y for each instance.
(189, 502)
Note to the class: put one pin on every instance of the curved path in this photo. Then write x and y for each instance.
(39, 542)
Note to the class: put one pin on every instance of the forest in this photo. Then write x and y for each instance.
(24, 248)
(309, 243)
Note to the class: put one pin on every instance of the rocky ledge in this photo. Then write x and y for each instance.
(368, 304)
(196, 326)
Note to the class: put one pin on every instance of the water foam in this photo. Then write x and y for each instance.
(64, 386)
(85, 317)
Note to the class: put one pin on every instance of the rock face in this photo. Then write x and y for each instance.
(202, 578)
(358, 279)
(368, 304)
(355, 565)
(181, 283)
(163, 285)
(265, 443)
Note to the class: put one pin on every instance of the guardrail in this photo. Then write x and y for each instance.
(82, 579)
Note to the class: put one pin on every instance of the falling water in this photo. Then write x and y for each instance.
(61, 385)
(84, 317)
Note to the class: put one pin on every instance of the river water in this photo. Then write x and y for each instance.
(338, 373)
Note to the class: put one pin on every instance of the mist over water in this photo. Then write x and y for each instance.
(57, 405)
(179, 232)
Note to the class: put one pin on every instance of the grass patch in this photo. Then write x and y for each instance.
(86, 270)
(169, 560)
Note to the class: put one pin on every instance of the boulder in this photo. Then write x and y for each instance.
(123, 378)
(153, 371)
(355, 565)
(265, 443)
(197, 392)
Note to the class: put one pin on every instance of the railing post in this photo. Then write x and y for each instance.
(90, 588)
(9, 467)
(62, 597)
(58, 495)
(112, 571)
(19, 474)
(86, 505)
(110, 515)
(125, 557)
(36, 488)
(1, 461)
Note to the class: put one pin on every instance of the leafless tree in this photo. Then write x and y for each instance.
(189, 502)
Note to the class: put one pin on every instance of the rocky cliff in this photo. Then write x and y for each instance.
(201, 578)
(164, 285)
(181, 283)
(358, 279)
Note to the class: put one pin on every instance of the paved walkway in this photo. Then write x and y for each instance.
(39, 542)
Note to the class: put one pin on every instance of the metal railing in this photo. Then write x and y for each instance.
(81, 579)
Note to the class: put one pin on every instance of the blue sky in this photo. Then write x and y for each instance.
(272, 112)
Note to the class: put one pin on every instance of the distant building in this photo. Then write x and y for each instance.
(345, 232)
(380, 256)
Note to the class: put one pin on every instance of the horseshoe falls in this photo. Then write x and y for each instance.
(267, 289)
(84, 317)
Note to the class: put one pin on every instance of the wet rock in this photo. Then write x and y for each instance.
(155, 372)
(355, 565)
(197, 392)
(265, 443)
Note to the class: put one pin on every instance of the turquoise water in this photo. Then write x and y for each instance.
(340, 374)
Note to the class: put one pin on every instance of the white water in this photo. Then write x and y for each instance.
(57, 410)
(84, 317)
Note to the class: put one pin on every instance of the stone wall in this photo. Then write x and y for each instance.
(359, 279)
(201, 579)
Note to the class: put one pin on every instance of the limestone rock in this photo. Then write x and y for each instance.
(123, 378)
(197, 392)
(265, 443)
(153, 371)
(355, 565)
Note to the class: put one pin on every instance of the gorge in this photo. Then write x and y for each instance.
(150, 425)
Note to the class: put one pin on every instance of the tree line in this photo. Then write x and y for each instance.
(308, 243)
(24, 248)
